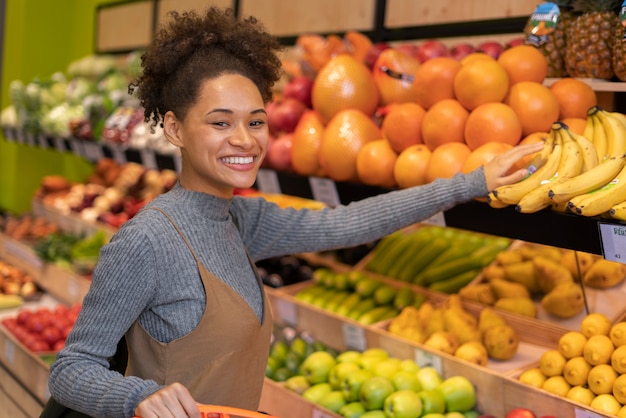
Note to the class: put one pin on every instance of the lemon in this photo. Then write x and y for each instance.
(551, 363)
(571, 344)
(576, 370)
(557, 385)
(619, 389)
(595, 324)
(600, 379)
(606, 403)
(533, 377)
(622, 412)
(618, 359)
(581, 395)
(598, 350)
(618, 334)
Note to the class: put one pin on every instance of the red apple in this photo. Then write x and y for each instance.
(279, 152)
(299, 88)
(460, 51)
(430, 49)
(520, 413)
(514, 42)
(491, 48)
(408, 48)
(374, 52)
(283, 116)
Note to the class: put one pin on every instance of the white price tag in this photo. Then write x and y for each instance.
(148, 159)
(59, 144)
(437, 219)
(118, 154)
(30, 140)
(324, 190)
(93, 151)
(72, 288)
(354, 337)
(428, 359)
(267, 180)
(581, 413)
(21, 253)
(76, 147)
(319, 414)
(20, 136)
(42, 142)
(287, 312)
(9, 351)
(613, 242)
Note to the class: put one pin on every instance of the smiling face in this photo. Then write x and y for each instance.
(223, 138)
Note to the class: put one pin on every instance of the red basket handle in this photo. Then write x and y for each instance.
(226, 411)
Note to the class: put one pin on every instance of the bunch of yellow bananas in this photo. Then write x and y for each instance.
(582, 174)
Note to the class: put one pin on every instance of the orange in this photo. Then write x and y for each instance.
(402, 126)
(575, 97)
(344, 136)
(524, 63)
(492, 122)
(375, 162)
(434, 80)
(394, 85)
(535, 105)
(530, 139)
(480, 81)
(444, 122)
(344, 83)
(411, 166)
(576, 125)
(305, 144)
(483, 154)
(476, 56)
(447, 160)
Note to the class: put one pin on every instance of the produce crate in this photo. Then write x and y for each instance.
(16, 401)
(69, 223)
(63, 284)
(21, 255)
(278, 401)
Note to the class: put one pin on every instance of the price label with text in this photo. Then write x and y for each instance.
(267, 180)
(613, 242)
(324, 190)
(287, 312)
(93, 151)
(319, 414)
(59, 144)
(581, 413)
(76, 147)
(354, 337)
(428, 359)
(9, 351)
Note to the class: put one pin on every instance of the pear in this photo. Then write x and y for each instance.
(604, 274)
(501, 342)
(436, 322)
(509, 257)
(550, 273)
(489, 318)
(443, 341)
(480, 292)
(565, 300)
(578, 262)
(474, 352)
(519, 305)
(505, 289)
(532, 251)
(523, 273)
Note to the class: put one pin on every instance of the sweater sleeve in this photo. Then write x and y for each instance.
(269, 231)
(123, 285)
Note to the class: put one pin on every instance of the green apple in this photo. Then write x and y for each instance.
(299, 346)
(403, 379)
(387, 368)
(374, 414)
(370, 362)
(429, 377)
(350, 356)
(471, 414)
(316, 391)
(459, 394)
(351, 384)
(297, 384)
(339, 372)
(454, 415)
(433, 401)
(375, 352)
(433, 416)
(409, 365)
(317, 366)
(352, 410)
(332, 401)
(279, 350)
(374, 391)
(403, 404)
(293, 360)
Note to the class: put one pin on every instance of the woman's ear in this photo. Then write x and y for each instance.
(171, 128)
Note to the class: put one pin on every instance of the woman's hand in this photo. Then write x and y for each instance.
(173, 401)
(497, 171)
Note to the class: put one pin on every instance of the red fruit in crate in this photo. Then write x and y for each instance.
(520, 413)
(299, 88)
(374, 52)
(460, 51)
(279, 152)
(491, 48)
(51, 335)
(35, 324)
(431, 49)
(283, 116)
(393, 74)
(23, 316)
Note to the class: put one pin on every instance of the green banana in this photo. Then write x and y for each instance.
(363, 306)
(453, 252)
(381, 250)
(417, 242)
(375, 314)
(394, 254)
(306, 295)
(348, 304)
(367, 286)
(404, 297)
(423, 259)
(335, 301)
(455, 283)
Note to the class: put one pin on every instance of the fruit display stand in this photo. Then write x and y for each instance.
(280, 402)
(16, 401)
(21, 255)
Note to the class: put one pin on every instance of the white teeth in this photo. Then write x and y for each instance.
(238, 160)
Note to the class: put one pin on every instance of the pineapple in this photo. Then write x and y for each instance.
(553, 43)
(619, 49)
(590, 39)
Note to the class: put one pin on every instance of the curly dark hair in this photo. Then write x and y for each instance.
(192, 48)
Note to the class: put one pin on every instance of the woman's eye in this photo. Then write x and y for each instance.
(257, 123)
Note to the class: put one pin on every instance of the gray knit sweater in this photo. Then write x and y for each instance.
(147, 273)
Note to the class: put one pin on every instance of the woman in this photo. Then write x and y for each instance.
(176, 279)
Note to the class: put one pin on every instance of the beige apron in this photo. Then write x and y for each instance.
(222, 361)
